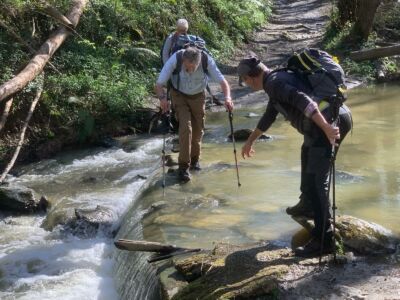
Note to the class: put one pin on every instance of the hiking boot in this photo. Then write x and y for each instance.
(301, 209)
(183, 175)
(195, 166)
(313, 248)
(175, 148)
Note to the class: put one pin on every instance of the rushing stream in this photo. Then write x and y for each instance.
(39, 264)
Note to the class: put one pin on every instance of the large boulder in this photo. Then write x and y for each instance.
(227, 272)
(84, 223)
(18, 198)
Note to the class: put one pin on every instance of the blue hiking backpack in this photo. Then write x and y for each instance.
(182, 41)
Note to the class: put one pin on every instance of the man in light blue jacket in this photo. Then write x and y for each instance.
(188, 71)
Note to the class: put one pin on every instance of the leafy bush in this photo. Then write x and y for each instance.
(107, 71)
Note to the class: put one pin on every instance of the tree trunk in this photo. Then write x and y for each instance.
(375, 53)
(347, 11)
(46, 51)
(365, 15)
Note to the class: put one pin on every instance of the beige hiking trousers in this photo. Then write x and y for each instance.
(190, 113)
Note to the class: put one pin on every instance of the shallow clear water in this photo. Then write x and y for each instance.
(38, 264)
(212, 207)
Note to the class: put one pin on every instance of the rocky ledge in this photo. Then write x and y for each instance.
(366, 265)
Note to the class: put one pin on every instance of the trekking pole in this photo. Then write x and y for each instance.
(234, 147)
(330, 180)
(163, 164)
(166, 129)
(332, 174)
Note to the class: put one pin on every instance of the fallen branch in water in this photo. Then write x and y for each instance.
(163, 251)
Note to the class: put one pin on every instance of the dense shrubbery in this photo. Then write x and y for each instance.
(386, 30)
(102, 76)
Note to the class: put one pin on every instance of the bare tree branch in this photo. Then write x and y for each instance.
(20, 40)
(22, 135)
(6, 112)
(46, 51)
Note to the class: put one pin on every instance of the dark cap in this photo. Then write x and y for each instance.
(247, 64)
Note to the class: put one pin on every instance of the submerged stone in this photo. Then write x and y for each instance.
(243, 135)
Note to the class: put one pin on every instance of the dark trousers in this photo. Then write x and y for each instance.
(316, 153)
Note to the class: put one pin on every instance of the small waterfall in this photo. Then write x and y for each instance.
(136, 278)
(40, 264)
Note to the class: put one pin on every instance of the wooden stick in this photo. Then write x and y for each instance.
(158, 257)
(133, 245)
(6, 112)
(22, 135)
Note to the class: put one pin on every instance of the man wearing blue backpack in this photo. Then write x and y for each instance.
(177, 41)
(188, 72)
(170, 43)
(316, 111)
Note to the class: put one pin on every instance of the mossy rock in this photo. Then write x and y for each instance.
(233, 272)
(364, 237)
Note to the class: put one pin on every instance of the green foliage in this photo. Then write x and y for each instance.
(366, 69)
(339, 38)
(107, 73)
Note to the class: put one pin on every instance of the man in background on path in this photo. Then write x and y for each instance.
(182, 27)
(290, 96)
(173, 43)
(189, 71)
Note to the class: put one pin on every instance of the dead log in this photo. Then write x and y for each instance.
(158, 257)
(46, 51)
(162, 251)
(133, 245)
(375, 53)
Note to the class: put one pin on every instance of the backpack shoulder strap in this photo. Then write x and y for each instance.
(178, 67)
(204, 62)
(179, 59)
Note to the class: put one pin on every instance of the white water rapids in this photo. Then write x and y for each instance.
(39, 264)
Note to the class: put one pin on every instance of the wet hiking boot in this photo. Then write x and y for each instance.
(195, 166)
(183, 175)
(301, 209)
(313, 248)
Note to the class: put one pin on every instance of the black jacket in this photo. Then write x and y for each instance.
(287, 95)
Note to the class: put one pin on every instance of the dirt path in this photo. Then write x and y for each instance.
(292, 26)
